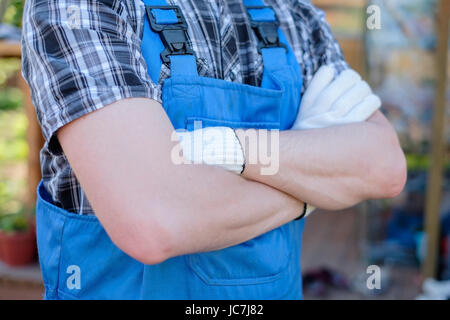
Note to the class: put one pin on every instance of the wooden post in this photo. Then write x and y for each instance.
(35, 142)
(435, 177)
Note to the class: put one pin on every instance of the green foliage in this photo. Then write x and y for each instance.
(10, 202)
(10, 99)
(4, 195)
(13, 145)
(13, 153)
(7, 68)
(17, 18)
(421, 162)
(14, 222)
(418, 162)
(13, 14)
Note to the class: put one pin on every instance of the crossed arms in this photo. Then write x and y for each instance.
(154, 210)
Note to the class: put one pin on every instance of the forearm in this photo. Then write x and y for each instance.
(153, 209)
(219, 209)
(337, 167)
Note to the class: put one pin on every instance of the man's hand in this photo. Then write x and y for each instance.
(327, 102)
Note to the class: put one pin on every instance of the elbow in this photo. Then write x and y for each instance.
(150, 242)
(389, 174)
(151, 248)
(395, 180)
(154, 236)
(156, 253)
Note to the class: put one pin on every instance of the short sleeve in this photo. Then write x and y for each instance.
(79, 56)
(320, 45)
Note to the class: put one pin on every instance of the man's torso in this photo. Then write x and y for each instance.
(226, 48)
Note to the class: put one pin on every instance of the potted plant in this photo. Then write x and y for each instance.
(17, 239)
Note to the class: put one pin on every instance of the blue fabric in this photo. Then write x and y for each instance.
(183, 65)
(152, 53)
(262, 14)
(165, 16)
(68, 240)
(252, 3)
(155, 2)
(267, 267)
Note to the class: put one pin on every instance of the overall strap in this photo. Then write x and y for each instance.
(265, 24)
(165, 40)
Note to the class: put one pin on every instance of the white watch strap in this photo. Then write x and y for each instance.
(310, 209)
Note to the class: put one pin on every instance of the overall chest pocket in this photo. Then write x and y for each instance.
(258, 261)
(215, 102)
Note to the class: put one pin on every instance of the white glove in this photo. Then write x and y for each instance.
(328, 102)
(216, 146)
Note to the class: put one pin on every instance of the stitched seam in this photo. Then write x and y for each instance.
(60, 255)
(228, 86)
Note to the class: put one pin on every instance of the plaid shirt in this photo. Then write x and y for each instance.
(76, 70)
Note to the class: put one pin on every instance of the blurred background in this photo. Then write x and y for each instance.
(401, 48)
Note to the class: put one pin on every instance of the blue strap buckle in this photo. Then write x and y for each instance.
(172, 28)
(265, 27)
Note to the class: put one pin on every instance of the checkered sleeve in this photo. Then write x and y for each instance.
(79, 56)
(321, 47)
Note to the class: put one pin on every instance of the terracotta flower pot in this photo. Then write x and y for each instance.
(18, 248)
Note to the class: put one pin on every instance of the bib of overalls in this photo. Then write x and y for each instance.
(79, 260)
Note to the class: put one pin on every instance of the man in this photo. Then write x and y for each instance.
(120, 217)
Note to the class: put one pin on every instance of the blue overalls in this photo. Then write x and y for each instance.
(78, 259)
